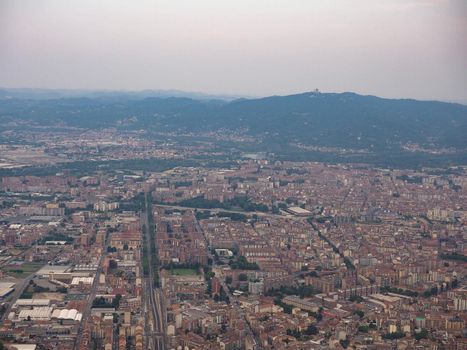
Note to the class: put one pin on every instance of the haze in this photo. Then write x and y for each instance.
(397, 48)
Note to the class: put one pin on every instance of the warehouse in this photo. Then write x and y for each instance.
(297, 211)
(65, 314)
(6, 288)
(42, 313)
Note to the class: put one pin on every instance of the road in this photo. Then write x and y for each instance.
(92, 294)
(236, 305)
(233, 300)
(16, 257)
(19, 289)
(155, 322)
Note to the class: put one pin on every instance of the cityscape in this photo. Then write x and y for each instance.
(260, 255)
(233, 175)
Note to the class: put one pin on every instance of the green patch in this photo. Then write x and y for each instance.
(184, 272)
(23, 270)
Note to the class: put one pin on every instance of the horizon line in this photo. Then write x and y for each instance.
(222, 95)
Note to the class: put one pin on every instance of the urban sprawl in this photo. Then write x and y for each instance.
(261, 254)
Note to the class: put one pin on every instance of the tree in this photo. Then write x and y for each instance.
(423, 334)
(311, 330)
(363, 328)
(242, 277)
(116, 301)
(243, 264)
(359, 313)
(112, 264)
(313, 274)
(356, 298)
(396, 335)
(345, 343)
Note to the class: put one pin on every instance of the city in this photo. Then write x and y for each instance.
(233, 175)
(262, 255)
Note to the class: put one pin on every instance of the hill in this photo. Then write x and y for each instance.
(336, 125)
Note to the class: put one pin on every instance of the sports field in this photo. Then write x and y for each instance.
(184, 272)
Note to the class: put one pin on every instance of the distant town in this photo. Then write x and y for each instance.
(111, 241)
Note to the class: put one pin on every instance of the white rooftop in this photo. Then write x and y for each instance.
(67, 314)
(32, 302)
(52, 269)
(22, 346)
(5, 288)
(37, 313)
(84, 280)
(298, 210)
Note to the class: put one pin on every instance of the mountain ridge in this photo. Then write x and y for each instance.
(278, 124)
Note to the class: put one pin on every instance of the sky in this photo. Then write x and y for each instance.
(391, 48)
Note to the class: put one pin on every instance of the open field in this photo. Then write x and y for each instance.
(23, 270)
(184, 272)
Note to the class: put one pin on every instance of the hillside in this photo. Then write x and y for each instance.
(368, 124)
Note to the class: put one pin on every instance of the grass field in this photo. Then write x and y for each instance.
(184, 272)
(22, 271)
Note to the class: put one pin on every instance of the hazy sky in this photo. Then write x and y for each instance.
(393, 48)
